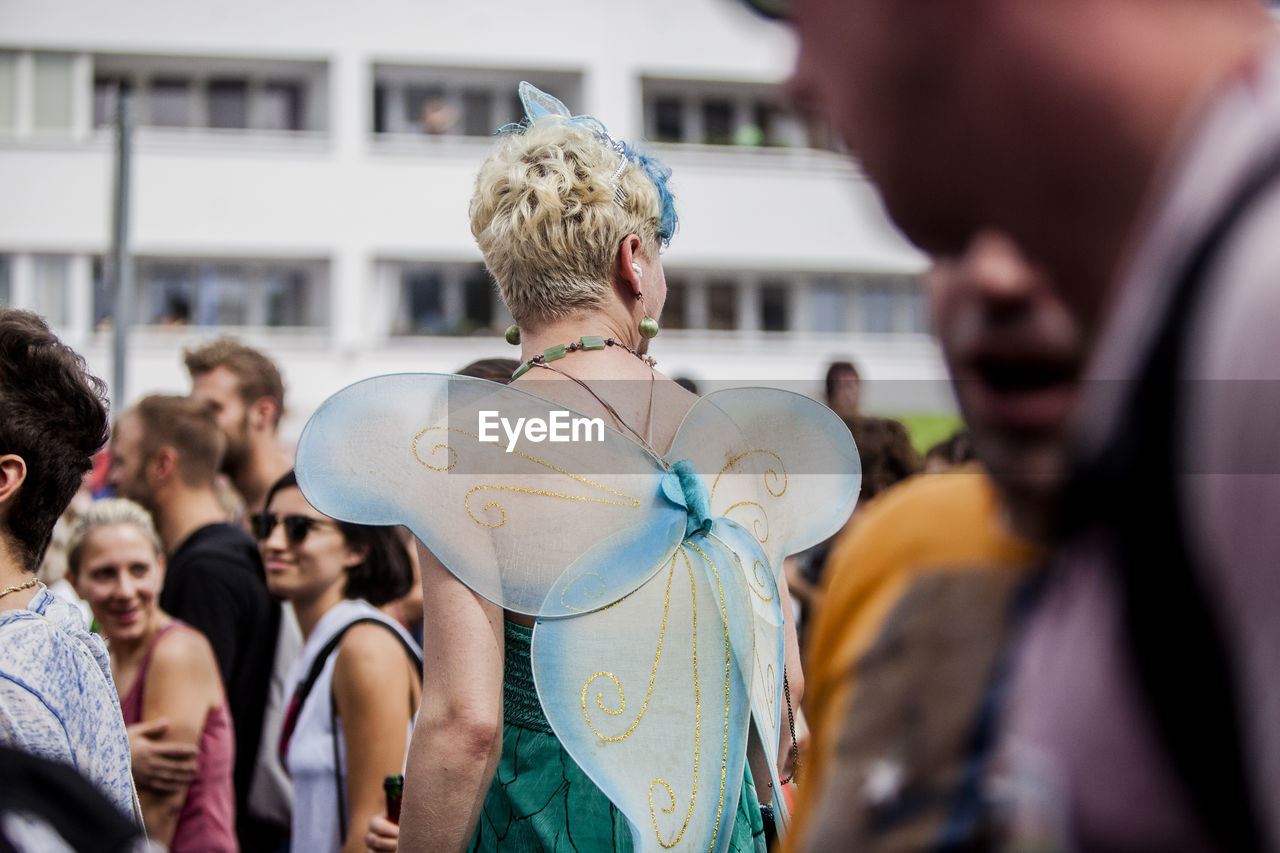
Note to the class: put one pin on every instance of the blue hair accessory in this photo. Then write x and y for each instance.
(538, 105)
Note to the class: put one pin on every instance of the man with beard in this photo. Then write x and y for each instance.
(1131, 148)
(246, 393)
(165, 453)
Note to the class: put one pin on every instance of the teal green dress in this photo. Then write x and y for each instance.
(541, 800)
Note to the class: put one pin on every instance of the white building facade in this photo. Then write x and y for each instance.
(301, 174)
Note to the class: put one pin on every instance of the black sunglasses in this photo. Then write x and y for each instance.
(778, 10)
(296, 527)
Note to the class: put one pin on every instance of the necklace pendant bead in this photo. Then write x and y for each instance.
(592, 342)
(555, 353)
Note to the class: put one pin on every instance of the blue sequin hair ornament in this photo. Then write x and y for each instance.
(539, 105)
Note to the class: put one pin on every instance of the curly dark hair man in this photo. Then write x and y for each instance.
(57, 698)
(53, 416)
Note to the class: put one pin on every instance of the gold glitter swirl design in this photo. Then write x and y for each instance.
(728, 671)
(771, 477)
(453, 454)
(771, 679)
(775, 483)
(760, 525)
(771, 690)
(617, 498)
(622, 696)
(697, 730)
(763, 577)
(582, 580)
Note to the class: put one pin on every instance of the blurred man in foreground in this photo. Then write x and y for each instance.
(907, 660)
(1132, 148)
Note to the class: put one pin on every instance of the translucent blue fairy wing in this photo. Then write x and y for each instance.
(782, 465)
(761, 653)
(648, 698)
(538, 104)
(512, 519)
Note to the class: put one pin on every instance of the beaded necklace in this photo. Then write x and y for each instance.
(595, 342)
(585, 343)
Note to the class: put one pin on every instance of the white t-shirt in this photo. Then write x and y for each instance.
(310, 756)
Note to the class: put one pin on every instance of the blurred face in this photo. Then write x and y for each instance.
(127, 474)
(1015, 354)
(887, 76)
(221, 390)
(846, 394)
(304, 553)
(120, 576)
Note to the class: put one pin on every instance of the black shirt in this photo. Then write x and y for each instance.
(215, 583)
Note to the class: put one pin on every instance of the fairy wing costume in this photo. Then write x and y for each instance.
(659, 637)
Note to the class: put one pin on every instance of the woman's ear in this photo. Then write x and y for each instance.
(626, 265)
(356, 554)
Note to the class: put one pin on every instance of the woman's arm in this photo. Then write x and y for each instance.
(376, 691)
(182, 685)
(794, 675)
(458, 737)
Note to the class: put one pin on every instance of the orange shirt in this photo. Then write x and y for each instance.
(916, 608)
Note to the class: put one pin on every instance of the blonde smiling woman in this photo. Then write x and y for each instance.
(163, 670)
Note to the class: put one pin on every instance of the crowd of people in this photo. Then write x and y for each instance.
(1052, 631)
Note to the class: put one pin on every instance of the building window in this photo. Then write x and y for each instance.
(190, 292)
(890, 304)
(668, 120)
(480, 296)
(169, 102)
(442, 299)
(105, 92)
(717, 121)
(875, 307)
(50, 279)
(51, 104)
(713, 112)
(422, 302)
(675, 311)
(251, 95)
(917, 307)
(774, 307)
(8, 90)
(722, 304)
(438, 101)
(229, 103)
(477, 113)
(280, 106)
(827, 300)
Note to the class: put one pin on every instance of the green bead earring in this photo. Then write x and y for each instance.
(648, 328)
(513, 335)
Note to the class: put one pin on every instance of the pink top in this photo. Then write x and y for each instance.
(206, 823)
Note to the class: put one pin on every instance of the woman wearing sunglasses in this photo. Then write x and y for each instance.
(355, 687)
(163, 669)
